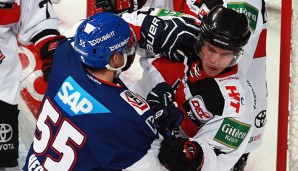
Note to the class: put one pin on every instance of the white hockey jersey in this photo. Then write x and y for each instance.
(24, 21)
(252, 63)
(223, 104)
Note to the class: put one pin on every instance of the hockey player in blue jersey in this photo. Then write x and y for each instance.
(88, 119)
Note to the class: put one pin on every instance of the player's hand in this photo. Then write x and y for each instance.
(169, 36)
(204, 6)
(167, 115)
(115, 6)
(180, 154)
(47, 49)
(161, 95)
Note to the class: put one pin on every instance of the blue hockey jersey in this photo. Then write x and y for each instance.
(86, 123)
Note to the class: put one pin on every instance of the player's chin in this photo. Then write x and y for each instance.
(212, 71)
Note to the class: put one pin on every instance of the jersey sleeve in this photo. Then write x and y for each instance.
(150, 161)
(136, 18)
(37, 22)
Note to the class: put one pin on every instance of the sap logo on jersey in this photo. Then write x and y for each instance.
(76, 101)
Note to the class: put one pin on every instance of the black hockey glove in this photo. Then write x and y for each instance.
(167, 115)
(180, 154)
(169, 36)
(47, 49)
(161, 95)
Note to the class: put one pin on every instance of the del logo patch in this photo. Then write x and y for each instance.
(136, 101)
(74, 100)
(232, 133)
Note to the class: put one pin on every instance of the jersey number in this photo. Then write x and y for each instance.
(64, 143)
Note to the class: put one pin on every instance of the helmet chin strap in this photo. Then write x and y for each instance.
(119, 69)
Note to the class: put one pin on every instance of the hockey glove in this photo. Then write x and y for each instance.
(169, 36)
(47, 49)
(115, 6)
(207, 5)
(161, 95)
(167, 115)
(180, 154)
(203, 7)
(10, 12)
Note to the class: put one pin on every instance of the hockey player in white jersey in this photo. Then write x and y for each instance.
(26, 21)
(214, 96)
(254, 61)
(253, 64)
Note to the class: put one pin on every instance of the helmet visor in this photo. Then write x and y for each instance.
(130, 51)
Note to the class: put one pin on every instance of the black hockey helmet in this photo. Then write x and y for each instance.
(224, 28)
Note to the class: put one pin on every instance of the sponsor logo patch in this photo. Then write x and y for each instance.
(255, 138)
(261, 119)
(199, 110)
(164, 12)
(74, 100)
(250, 11)
(5, 133)
(136, 101)
(232, 133)
(235, 97)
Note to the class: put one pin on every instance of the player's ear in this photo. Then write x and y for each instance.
(115, 60)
